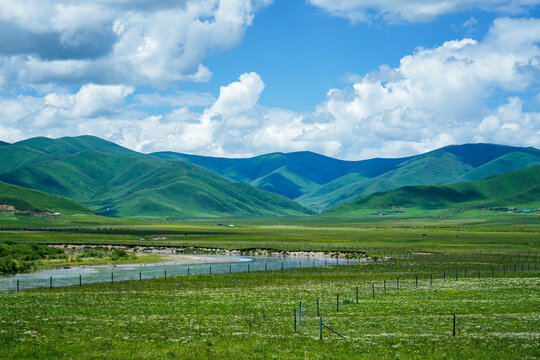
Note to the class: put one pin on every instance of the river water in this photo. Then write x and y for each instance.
(77, 275)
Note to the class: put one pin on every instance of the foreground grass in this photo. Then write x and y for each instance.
(251, 315)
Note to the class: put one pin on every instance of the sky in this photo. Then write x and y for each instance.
(352, 79)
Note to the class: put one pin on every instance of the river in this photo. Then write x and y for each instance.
(214, 264)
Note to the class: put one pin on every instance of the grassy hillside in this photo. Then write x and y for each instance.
(291, 174)
(448, 165)
(505, 190)
(72, 145)
(136, 185)
(321, 183)
(27, 199)
(102, 175)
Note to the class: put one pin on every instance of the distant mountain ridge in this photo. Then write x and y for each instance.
(321, 183)
(517, 188)
(115, 181)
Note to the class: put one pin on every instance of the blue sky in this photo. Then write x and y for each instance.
(301, 52)
(348, 78)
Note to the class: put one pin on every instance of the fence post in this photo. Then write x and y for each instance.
(454, 327)
(373, 290)
(320, 328)
(397, 283)
(431, 279)
(318, 314)
(140, 276)
(478, 274)
(188, 271)
(50, 282)
(444, 276)
(165, 274)
(294, 319)
(248, 268)
(416, 281)
(300, 264)
(456, 275)
(80, 280)
(112, 278)
(337, 302)
(357, 294)
(300, 313)
(384, 286)
(230, 269)
(17, 285)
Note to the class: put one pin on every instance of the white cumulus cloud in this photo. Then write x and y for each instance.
(461, 91)
(416, 10)
(111, 42)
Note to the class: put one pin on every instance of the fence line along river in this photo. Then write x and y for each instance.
(213, 264)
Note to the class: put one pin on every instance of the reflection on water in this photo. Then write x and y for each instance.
(77, 275)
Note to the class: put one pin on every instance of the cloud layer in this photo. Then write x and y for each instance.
(111, 42)
(461, 91)
(416, 10)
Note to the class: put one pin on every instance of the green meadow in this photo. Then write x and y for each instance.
(405, 305)
(252, 315)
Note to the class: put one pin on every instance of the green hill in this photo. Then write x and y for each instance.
(291, 174)
(98, 175)
(518, 188)
(448, 165)
(72, 145)
(116, 181)
(38, 202)
(321, 183)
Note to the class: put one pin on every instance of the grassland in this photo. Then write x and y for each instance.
(251, 315)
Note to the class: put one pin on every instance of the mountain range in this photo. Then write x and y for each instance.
(508, 190)
(321, 183)
(115, 181)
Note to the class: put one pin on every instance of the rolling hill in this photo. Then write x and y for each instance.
(321, 183)
(115, 181)
(291, 174)
(518, 188)
(38, 202)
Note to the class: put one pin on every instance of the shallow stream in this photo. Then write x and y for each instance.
(214, 264)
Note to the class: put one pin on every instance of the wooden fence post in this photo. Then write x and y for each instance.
(294, 319)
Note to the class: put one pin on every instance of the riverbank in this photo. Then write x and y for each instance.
(192, 250)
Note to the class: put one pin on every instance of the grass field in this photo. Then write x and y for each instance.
(251, 315)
